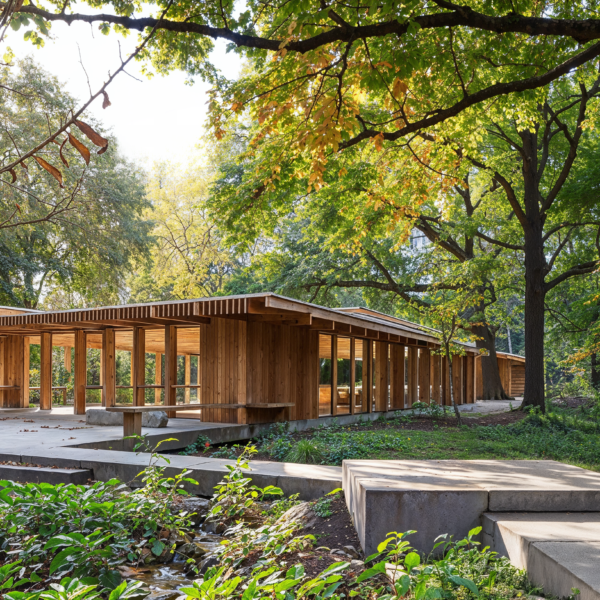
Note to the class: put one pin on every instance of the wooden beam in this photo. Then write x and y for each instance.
(80, 372)
(470, 379)
(109, 372)
(157, 376)
(138, 366)
(170, 367)
(46, 371)
(323, 324)
(367, 376)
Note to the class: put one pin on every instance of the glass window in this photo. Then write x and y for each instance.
(325, 372)
(358, 375)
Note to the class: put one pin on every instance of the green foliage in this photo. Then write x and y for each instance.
(305, 451)
(278, 507)
(234, 495)
(202, 444)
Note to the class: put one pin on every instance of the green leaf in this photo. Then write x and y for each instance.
(411, 561)
(456, 580)
(110, 579)
(157, 548)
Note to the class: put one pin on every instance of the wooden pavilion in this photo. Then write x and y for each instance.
(257, 358)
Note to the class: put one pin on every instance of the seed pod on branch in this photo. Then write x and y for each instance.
(52, 170)
(95, 138)
(81, 148)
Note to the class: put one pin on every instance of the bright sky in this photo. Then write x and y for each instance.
(157, 119)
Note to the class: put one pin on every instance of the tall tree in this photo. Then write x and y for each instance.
(71, 244)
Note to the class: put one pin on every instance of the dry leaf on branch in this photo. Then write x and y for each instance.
(14, 175)
(52, 170)
(106, 101)
(96, 138)
(61, 153)
(82, 149)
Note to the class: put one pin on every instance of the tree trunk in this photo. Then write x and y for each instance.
(449, 360)
(490, 374)
(535, 271)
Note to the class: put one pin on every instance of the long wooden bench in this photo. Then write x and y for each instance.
(132, 415)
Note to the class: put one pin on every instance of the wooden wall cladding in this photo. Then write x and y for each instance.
(282, 366)
(223, 369)
(517, 379)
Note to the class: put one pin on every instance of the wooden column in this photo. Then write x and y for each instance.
(424, 375)
(80, 372)
(367, 388)
(470, 379)
(334, 375)
(158, 376)
(67, 358)
(109, 370)
(188, 377)
(138, 366)
(45, 371)
(397, 376)
(12, 371)
(352, 376)
(413, 373)
(26, 358)
(457, 376)
(436, 378)
(170, 367)
(381, 369)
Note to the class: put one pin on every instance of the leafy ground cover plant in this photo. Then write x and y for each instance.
(86, 532)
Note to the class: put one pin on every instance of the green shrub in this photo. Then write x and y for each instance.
(306, 452)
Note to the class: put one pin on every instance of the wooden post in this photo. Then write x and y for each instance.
(157, 376)
(470, 379)
(45, 371)
(352, 376)
(413, 373)
(132, 425)
(457, 375)
(424, 376)
(170, 367)
(109, 371)
(436, 378)
(381, 369)
(67, 358)
(188, 377)
(80, 372)
(138, 366)
(26, 357)
(334, 375)
(367, 387)
(397, 376)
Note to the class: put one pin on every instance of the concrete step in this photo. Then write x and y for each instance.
(449, 496)
(22, 474)
(560, 551)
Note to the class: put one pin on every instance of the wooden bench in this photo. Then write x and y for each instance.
(132, 415)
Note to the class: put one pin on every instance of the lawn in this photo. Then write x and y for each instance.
(570, 435)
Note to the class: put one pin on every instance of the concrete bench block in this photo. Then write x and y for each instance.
(425, 504)
(44, 475)
(560, 551)
(99, 416)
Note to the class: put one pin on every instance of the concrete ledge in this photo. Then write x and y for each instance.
(44, 475)
(560, 551)
(449, 496)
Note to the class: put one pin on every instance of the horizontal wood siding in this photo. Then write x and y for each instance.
(517, 379)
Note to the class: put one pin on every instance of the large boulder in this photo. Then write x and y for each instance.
(99, 416)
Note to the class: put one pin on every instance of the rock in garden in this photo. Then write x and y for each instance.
(192, 550)
(357, 565)
(207, 563)
(99, 416)
(302, 514)
(351, 550)
(193, 504)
